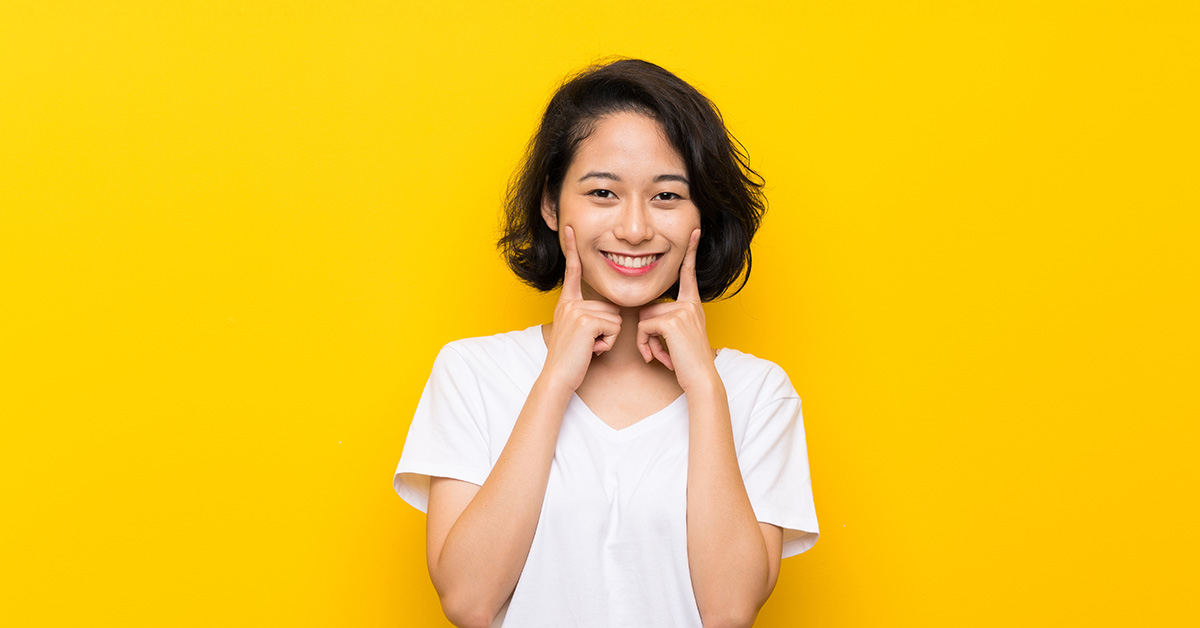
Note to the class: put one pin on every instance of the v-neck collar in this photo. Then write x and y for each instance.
(675, 408)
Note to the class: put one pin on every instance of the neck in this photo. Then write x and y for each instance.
(624, 355)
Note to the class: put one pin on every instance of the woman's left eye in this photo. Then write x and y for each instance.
(668, 196)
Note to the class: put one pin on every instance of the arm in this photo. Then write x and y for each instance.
(478, 537)
(733, 559)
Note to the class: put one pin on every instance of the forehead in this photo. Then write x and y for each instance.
(629, 144)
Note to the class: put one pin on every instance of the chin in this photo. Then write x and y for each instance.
(629, 292)
(632, 298)
(631, 302)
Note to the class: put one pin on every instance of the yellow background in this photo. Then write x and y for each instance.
(233, 236)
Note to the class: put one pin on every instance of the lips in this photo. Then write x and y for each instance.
(632, 262)
(632, 265)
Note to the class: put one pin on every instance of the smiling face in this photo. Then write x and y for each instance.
(627, 199)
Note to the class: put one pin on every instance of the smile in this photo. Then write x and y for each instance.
(632, 262)
(632, 265)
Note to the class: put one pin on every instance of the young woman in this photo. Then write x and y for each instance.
(610, 468)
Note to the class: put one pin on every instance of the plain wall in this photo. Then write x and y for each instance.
(233, 236)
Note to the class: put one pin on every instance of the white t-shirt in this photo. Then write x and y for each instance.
(610, 548)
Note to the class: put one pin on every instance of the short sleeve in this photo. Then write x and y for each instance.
(774, 462)
(447, 437)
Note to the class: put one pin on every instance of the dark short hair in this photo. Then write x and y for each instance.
(725, 190)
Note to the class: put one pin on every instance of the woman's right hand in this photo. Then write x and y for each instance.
(581, 328)
(478, 537)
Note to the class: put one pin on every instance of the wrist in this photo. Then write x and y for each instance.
(552, 387)
(708, 386)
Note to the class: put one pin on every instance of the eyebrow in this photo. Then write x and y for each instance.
(671, 177)
(659, 179)
(599, 175)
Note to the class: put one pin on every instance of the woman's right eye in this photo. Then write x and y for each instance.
(600, 193)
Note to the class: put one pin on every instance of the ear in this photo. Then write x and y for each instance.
(549, 211)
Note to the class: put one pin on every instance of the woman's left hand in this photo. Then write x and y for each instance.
(674, 332)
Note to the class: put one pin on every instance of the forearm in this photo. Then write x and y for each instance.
(485, 550)
(727, 555)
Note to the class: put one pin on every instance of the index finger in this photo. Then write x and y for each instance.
(573, 274)
(689, 289)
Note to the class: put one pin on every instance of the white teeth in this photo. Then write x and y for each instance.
(632, 262)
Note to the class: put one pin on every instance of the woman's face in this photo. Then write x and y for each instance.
(627, 199)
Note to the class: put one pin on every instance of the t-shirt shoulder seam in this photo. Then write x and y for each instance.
(766, 368)
(459, 344)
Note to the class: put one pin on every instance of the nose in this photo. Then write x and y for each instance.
(633, 224)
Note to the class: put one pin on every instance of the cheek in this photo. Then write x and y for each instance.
(682, 226)
(685, 219)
